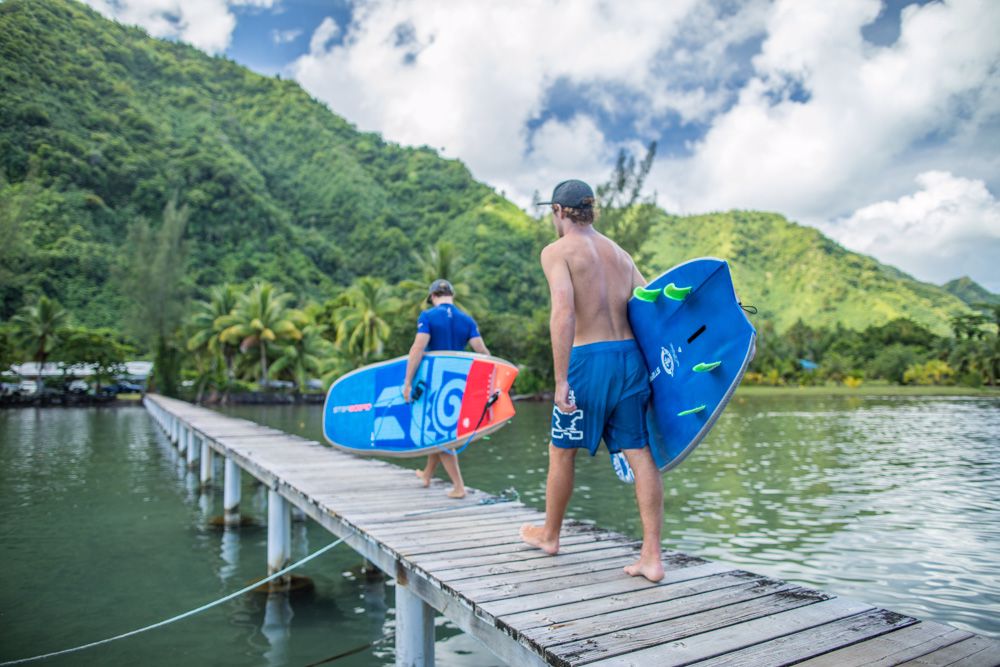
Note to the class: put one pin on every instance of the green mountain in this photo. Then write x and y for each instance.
(793, 272)
(100, 126)
(971, 292)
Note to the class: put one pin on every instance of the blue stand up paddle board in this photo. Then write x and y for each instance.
(697, 343)
(457, 397)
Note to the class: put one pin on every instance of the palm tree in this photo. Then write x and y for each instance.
(361, 319)
(305, 357)
(206, 326)
(261, 318)
(441, 260)
(38, 329)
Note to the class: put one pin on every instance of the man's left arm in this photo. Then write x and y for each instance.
(413, 361)
(478, 345)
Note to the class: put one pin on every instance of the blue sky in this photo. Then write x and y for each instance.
(877, 122)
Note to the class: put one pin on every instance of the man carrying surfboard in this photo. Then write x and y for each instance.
(442, 327)
(602, 385)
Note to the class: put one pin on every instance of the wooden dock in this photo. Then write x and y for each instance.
(577, 608)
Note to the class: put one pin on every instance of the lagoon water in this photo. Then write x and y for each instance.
(892, 500)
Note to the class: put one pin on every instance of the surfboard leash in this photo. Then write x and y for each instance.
(494, 397)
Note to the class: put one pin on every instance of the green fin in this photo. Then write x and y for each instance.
(676, 293)
(704, 368)
(691, 411)
(644, 294)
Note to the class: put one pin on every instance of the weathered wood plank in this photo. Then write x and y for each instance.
(621, 625)
(676, 584)
(674, 647)
(508, 553)
(600, 550)
(893, 648)
(972, 652)
(631, 636)
(814, 641)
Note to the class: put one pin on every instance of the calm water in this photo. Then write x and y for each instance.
(889, 500)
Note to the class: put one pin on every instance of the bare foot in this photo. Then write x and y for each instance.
(426, 482)
(535, 536)
(651, 569)
(456, 493)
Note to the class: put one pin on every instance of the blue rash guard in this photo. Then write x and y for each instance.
(450, 328)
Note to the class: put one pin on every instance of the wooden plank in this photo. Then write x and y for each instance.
(673, 646)
(814, 641)
(503, 526)
(619, 622)
(504, 533)
(448, 521)
(634, 635)
(972, 652)
(498, 540)
(507, 553)
(891, 649)
(534, 561)
(624, 593)
(607, 559)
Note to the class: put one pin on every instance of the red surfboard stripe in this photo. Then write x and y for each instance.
(477, 391)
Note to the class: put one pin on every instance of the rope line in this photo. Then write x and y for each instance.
(180, 616)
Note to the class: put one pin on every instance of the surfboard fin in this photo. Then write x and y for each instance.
(704, 368)
(643, 294)
(676, 293)
(692, 411)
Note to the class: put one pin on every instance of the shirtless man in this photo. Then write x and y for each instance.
(602, 385)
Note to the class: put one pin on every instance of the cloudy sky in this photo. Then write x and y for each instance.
(878, 122)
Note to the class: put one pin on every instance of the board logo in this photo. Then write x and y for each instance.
(667, 360)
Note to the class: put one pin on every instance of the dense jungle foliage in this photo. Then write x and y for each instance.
(156, 194)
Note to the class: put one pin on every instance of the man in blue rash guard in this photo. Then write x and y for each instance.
(442, 327)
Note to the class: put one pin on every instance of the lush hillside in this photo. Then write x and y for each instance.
(791, 272)
(100, 125)
(971, 292)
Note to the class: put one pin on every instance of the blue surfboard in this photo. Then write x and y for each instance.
(697, 343)
(462, 396)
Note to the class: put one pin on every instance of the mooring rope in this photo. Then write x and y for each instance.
(180, 616)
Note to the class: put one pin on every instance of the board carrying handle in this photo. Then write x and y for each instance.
(676, 293)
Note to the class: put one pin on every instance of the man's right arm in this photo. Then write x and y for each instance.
(562, 322)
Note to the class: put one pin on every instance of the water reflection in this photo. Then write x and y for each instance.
(277, 627)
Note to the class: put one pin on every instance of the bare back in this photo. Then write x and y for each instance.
(603, 277)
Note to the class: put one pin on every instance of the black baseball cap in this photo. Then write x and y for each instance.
(571, 194)
(440, 287)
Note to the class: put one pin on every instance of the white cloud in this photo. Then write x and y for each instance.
(286, 36)
(949, 228)
(468, 78)
(826, 116)
(206, 24)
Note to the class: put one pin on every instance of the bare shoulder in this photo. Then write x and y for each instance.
(553, 251)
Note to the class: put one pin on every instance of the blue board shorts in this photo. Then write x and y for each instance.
(610, 386)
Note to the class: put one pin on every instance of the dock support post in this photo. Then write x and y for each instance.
(206, 463)
(279, 536)
(192, 449)
(414, 629)
(231, 493)
(181, 438)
